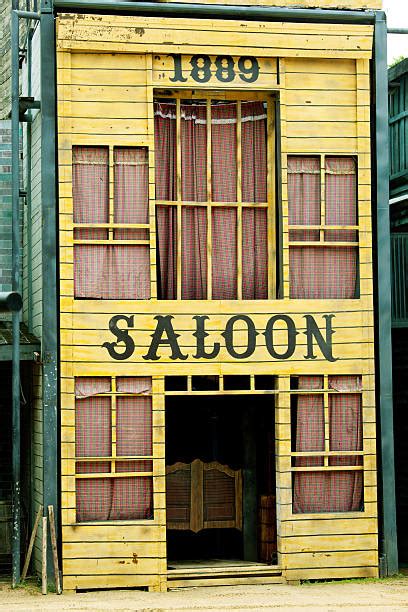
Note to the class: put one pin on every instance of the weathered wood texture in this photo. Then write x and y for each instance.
(108, 67)
(327, 4)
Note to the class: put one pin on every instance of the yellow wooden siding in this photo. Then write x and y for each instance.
(105, 98)
(327, 4)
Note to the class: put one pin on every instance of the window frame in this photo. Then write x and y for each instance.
(326, 454)
(113, 394)
(270, 205)
(110, 226)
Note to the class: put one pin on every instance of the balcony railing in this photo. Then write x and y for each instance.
(399, 290)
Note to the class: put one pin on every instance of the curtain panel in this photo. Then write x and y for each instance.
(122, 498)
(328, 491)
(105, 271)
(194, 220)
(322, 272)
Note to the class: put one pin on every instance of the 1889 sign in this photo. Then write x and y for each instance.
(223, 69)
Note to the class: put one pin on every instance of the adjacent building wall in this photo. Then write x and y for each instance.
(32, 281)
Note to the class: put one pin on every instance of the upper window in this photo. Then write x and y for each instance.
(111, 222)
(323, 230)
(214, 202)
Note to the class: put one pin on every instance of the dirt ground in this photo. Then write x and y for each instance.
(370, 595)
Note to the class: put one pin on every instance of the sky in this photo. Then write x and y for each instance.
(397, 17)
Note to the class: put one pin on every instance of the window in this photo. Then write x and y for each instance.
(111, 223)
(113, 442)
(327, 444)
(214, 198)
(323, 230)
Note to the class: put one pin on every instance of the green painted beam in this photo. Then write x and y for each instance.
(49, 340)
(383, 277)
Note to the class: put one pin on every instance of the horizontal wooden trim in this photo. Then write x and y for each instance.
(323, 227)
(329, 468)
(115, 475)
(310, 243)
(111, 225)
(318, 454)
(113, 241)
(130, 458)
(209, 203)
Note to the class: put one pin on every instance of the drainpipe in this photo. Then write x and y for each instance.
(16, 285)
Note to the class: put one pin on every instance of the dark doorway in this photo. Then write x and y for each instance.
(238, 432)
(400, 374)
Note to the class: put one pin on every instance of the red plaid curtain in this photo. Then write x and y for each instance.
(322, 272)
(340, 491)
(224, 189)
(104, 271)
(127, 498)
(166, 224)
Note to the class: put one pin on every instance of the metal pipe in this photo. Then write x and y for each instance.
(397, 30)
(16, 265)
(220, 11)
(10, 301)
(27, 15)
(28, 189)
(384, 351)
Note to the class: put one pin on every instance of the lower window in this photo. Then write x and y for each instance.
(113, 442)
(327, 444)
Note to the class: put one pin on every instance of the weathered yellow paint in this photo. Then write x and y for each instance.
(327, 4)
(109, 68)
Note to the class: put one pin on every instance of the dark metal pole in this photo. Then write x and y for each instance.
(397, 30)
(49, 258)
(384, 351)
(28, 188)
(16, 264)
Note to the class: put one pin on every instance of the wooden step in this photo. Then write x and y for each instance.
(221, 573)
(206, 581)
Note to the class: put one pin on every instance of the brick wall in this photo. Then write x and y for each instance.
(5, 205)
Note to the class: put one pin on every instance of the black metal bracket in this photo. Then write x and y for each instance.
(26, 103)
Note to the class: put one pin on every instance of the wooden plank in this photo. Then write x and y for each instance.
(331, 527)
(196, 496)
(112, 533)
(109, 30)
(86, 550)
(323, 560)
(327, 543)
(224, 581)
(100, 581)
(348, 4)
(333, 572)
(110, 566)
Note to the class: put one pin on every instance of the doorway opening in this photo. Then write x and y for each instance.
(220, 464)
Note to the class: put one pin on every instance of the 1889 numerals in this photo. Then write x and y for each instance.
(223, 69)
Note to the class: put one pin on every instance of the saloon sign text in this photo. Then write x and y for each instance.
(207, 345)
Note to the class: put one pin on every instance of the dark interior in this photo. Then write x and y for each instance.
(235, 430)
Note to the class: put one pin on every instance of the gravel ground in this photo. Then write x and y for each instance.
(389, 594)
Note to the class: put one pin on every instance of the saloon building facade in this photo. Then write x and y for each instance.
(214, 325)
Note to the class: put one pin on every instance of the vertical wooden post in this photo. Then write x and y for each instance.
(54, 549)
(31, 544)
(249, 497)
(44, 557)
